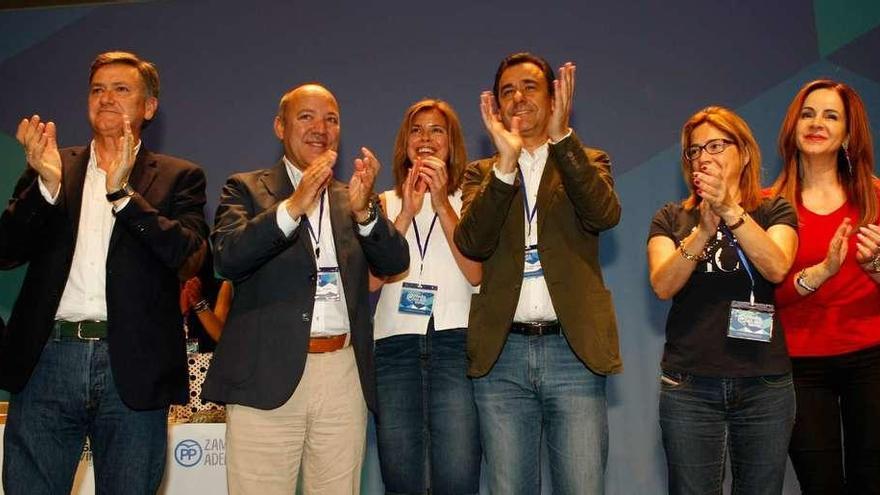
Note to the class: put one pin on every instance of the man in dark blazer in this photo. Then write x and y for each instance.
(94, 345)
(295, 362)
(542, 332)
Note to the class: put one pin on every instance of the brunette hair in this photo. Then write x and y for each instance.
(860, 184)
(457, 160)
(731, 124)
(149, 73)
(524, 58)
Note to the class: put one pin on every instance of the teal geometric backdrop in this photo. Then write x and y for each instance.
(643, 68)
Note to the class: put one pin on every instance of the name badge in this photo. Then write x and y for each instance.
(532, 266)
(417, 299)
(750, 321)
(328, 284)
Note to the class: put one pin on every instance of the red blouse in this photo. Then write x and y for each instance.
(843, 315)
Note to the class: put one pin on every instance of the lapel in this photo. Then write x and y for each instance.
(73, 175)
(517, 224)
(340, 219)
(143, 173)
(344, 240)
(546, 187)
(278, 187)
(277, 182)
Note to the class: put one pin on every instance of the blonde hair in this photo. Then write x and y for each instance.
(731, 124)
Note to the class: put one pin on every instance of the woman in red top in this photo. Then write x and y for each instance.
(830, 302)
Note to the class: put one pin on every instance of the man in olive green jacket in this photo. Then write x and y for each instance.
(542, 332)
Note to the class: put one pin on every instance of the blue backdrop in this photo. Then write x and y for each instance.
(643, 68)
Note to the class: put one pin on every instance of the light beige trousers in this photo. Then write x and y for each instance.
(321, 429)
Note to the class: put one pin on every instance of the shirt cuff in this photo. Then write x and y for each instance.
(286, 223)
(507, 178)
(125, 201)
(567, 135)
(47, 195)
(365, 230)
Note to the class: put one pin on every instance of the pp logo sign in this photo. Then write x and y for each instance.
(188, 453)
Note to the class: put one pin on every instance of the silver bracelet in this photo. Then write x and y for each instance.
(875, 264)
(200, 306)
(801, 280)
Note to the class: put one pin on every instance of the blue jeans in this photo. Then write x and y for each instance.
(539, 388)
(71, 395)
(427, 429)
(703, 418)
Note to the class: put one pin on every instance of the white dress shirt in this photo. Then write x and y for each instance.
(84, 296)
(328, 317)
(534, 303)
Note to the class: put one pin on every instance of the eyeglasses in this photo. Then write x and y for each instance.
(712, 147)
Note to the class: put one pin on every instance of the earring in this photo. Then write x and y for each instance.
(845, 147)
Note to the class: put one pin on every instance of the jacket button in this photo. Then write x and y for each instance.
(306, 317)
(312, 277)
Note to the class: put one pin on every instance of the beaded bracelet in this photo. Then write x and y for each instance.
(690, 257)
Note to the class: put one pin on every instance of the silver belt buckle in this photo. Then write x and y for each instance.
(79, 334)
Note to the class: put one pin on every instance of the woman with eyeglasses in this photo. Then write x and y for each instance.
(725, 386)
(427, 429)
(830, 301)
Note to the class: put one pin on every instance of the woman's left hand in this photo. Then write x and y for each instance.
(433, 173)
(190, 294)
(710, 186)
(868, 248)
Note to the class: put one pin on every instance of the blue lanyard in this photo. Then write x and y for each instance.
(742, 257)
(423, 251)
(530, 213)
(317, 238)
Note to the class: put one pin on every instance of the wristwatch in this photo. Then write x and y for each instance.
(374, 213)
(122, 192)
(875, 264)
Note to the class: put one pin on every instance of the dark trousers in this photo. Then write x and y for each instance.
(830, 391)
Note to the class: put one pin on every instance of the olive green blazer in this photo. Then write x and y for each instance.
(576, 201)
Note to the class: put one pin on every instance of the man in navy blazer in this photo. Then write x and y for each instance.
(94, 346)
(295, 362)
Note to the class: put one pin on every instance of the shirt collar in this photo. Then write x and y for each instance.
(93, 155)
(293, 173)
(538, 156)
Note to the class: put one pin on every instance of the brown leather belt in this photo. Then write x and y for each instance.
(319, 345)
(539, 328)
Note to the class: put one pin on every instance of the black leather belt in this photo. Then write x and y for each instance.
(536, 328)
(80, 330)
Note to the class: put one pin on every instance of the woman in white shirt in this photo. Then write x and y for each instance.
(427, 429)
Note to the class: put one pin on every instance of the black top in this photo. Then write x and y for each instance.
(696, 328)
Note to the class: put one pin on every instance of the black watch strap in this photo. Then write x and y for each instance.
(120, 193)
